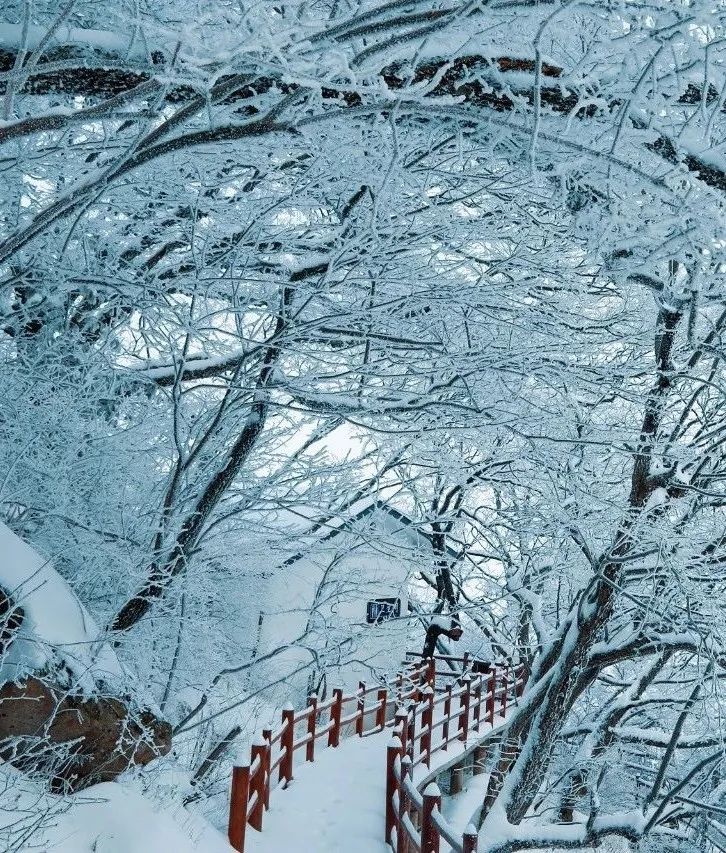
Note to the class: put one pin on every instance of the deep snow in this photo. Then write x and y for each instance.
(56, 626)
(334, 804)
(113, 817)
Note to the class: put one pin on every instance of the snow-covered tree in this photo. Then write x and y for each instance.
(478, 245)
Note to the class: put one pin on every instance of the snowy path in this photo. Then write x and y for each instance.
(333, 805)
(337, 803)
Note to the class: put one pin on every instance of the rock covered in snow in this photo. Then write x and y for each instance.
(63, 714)
(73, 740)
(53, 629)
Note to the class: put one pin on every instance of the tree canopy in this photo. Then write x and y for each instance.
(266, 259)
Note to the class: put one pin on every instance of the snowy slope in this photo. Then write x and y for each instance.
(56, 627)
(114, 817)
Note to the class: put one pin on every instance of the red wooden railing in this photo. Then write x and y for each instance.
(414, 822)
(272, 757)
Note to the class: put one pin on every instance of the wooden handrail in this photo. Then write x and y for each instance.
(444, 830)
(500, 688)
(325, 705)
(413, 821)
(303, 715)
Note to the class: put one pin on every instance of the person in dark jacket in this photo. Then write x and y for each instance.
(440, 625)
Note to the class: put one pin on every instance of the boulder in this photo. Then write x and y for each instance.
(75, 741)
(66, 710)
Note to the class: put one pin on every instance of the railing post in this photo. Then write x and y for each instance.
(267, 735)
(382, 705)
(360, 708)
(456, 779)
(430, 838)
(312, 725)
(477, 702)
(427, 723)
(394, 751)
(287, 743)
(491, 690)
(447, 715)
(336, 712)
(505, 687)
(471, 839)
(239, 797)
(464, 700)
(257, 784)
(401, 724)
(480, 757)
(403, 805)
(432, 673)
(411, 730)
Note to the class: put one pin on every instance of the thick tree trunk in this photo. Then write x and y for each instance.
(161, 574)
(566, 664)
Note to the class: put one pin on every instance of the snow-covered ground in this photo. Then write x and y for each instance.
(56, 626)
(459, 809)
(113, 817)
(335, 804)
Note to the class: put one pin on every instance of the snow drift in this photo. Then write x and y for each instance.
(63, 713)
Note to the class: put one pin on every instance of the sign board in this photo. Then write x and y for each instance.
(381, 609)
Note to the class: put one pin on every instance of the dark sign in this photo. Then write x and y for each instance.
(382, 608)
